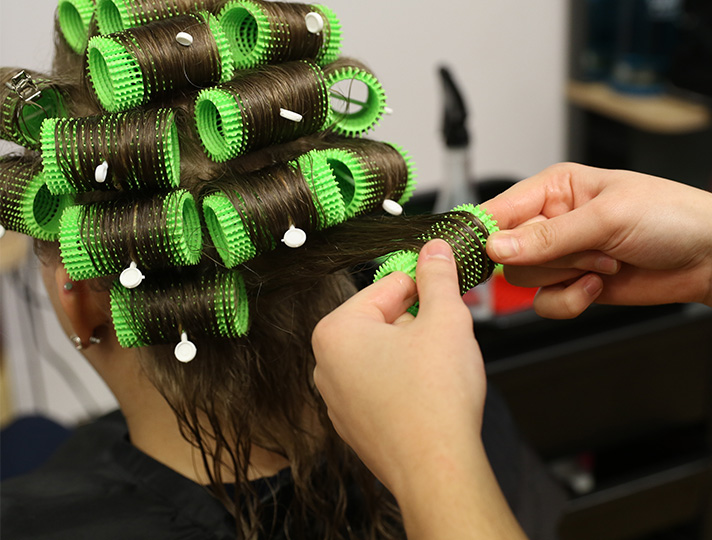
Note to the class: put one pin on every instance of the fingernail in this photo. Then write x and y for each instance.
(607, 265)
(593, 286)
(437, 249)
(504, 246)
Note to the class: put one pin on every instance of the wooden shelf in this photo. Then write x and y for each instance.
(656, 114)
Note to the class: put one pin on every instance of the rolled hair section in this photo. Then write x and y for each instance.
(141, 64)
(27, 206)
(358, 100)
(104, 238)
(247, 113)
(466, 228)
(202, 306)
(369, 172)
(248, 215)
(274, 32)
(138, 150)
(26, 99)
(118, 15)
(74, 18)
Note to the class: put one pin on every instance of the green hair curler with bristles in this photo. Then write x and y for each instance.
(26, 205)
(369, 172)
(26, 99)
(240, 231)
(124, 75)
(275, 32)
(74, 18)
(466, 228)
(358, 99)
(104, 238)
(133, 151)
(203, 306)
(118, 15)
(247, 113)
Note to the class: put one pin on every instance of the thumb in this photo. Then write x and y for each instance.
(436, 279)
(547, 240)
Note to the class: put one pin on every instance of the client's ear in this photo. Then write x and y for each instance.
(87, 309)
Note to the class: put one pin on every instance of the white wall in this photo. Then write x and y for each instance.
(508, 56)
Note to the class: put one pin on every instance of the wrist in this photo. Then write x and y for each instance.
(456, 495)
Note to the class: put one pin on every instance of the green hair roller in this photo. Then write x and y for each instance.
(74, 17)
(26, 205)
(30, 99)
(103, 238)
(233, 227)
(357, 116)
(123, 78)
(466, 228)
(233, 118)
(259, 35)
(203, 306)
(133, 151)
(364, 178)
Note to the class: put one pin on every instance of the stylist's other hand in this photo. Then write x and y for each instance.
(615, 237)
(407, 394)
(400, 388)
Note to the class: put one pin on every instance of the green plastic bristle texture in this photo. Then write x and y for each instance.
(119, 15)
(65, 162)
(399, 261)
(247, 27)
(114, 16)
(227, 59)
(74, 17)
(326, 194)
(90, 251)
(467, 241)
(472, 261)
(115, 75)
(227, 230)
(369, 112)
(411, 182)
(218, 117)
(20, 122)
(26, 205)
(140, 319)
(353, 180)
(332, 42)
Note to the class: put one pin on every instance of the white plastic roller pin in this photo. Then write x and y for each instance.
(294, 237)
(387, 110)
(186, 350)
(101, 172)
(184, 38)
(315, 22)
(290, 115)
(392, 207)
(131, 277)
(2, 231)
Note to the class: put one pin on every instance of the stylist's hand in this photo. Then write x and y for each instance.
(407, 394)
(614, 237)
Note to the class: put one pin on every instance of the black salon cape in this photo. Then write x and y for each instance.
(100, 487)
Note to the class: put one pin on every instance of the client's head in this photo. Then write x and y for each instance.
(200, 197)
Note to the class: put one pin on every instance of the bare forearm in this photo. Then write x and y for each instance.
(455, 498)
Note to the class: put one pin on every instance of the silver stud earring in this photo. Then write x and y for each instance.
(77, 341)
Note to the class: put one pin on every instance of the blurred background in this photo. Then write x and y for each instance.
(617, 403)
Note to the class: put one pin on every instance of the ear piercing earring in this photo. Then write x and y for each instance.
(77, 341)
(68, 286)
